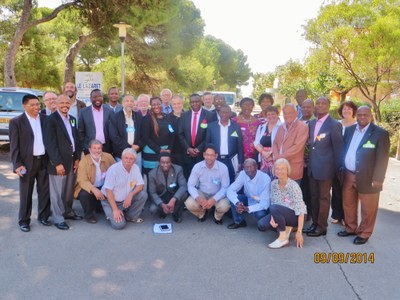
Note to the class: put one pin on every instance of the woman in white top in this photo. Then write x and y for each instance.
(287, 208)
(264, 140)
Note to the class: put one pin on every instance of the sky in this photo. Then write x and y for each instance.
(269, 32)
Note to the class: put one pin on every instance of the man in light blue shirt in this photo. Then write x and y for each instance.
(207, 186)
(255, 200)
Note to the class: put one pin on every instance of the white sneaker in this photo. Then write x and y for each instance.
(278, 244)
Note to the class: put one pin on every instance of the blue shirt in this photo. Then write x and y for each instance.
(257, 190)
(350, 159)
(212, 181)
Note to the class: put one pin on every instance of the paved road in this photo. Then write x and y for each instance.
(197, 261)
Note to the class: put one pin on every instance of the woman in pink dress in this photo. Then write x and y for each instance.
(248, 124)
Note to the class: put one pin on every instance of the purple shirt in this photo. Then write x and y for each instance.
(318, 125)
(98, 123)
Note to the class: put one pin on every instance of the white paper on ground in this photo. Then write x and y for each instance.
(162, 228)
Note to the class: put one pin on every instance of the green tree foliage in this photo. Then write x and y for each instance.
(363, 40)
(261, 81)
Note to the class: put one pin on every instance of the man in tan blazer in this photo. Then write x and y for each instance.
(91, 174)
(290, 141)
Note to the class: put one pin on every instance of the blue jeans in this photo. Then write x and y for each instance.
(238, 218)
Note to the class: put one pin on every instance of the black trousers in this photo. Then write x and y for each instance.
(228, 162)
(337, 200)
(305, 189)
(89, 203)
(26, 184)
(179, 204)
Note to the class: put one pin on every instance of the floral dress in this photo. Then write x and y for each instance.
(249, 130)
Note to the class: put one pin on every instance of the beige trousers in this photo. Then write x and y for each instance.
(221, 207)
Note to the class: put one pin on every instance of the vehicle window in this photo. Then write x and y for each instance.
(11, 101)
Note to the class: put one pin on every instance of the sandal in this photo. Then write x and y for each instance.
(137, 221)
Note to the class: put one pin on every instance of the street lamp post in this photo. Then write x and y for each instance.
(122, 35)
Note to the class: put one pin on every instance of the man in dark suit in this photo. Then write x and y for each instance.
(227, 138)
(167, 188)
(62, 145)
(364, 161)
(325, 140)
(94, 121)
(192, 133)
(29, 160)
(124, 130)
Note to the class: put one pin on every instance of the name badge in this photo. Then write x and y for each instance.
(130, 129)
(216, 181)
(256, 198)
(172, 185)
(170, 128)
(369, 145)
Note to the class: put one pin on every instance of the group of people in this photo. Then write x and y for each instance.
(113, 157)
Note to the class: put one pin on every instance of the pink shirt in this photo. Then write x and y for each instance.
(318, 125)
(98, 123)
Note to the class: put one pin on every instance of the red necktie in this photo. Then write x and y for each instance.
(194, 129)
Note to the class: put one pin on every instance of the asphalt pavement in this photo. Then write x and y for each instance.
(196, 261)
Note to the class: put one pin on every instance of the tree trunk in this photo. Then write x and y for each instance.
(9, 58)
(71, 55)
(22, 27)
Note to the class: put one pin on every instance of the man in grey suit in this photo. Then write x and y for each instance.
(167, 188)
(94, 121)
(113, 96)
(326, 141)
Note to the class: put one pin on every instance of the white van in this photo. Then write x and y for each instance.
(11, 106)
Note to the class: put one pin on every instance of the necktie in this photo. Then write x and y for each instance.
(194, 129)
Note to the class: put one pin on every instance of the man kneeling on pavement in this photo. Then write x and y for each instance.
(167, 188)
(207, 186)
(255, 200)
(123, 188)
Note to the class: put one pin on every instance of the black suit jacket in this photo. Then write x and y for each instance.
(185, 134)
(372, 156)
(58, 144)
(118, 134)
(87, 128)
(325, 152)
(21, 141)
(235, 141)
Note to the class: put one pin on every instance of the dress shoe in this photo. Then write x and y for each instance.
(218, 222)
(360, 241)
(62, 226)
(312, 227)
(177, 218)
(91, 219)
(25, 227)
(45, 222)
(73, 217)
(345, 233)
(236, 226)
(278, 244)
(202, 219)
(316, 233)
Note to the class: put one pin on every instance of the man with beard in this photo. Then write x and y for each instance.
(94, 121)
(90, 178)
(76, 104)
